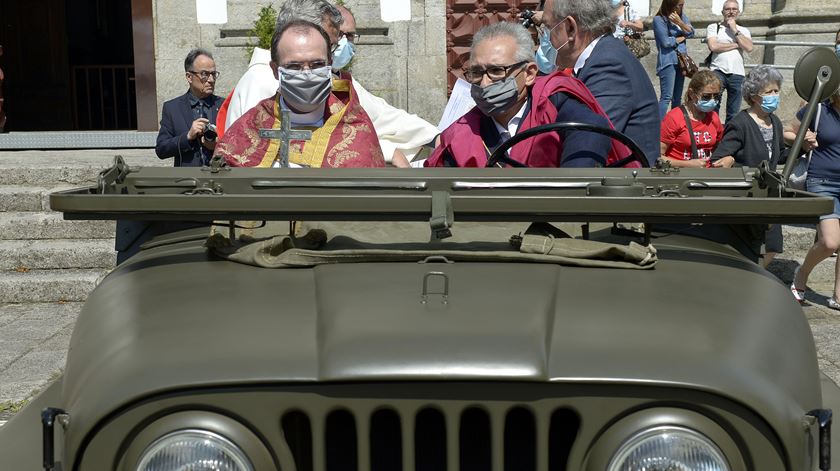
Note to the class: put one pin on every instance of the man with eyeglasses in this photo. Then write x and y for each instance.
(185, 119)
(727, 41)
(511, 98)
(342, 133)
(183, 135)
(401, 134)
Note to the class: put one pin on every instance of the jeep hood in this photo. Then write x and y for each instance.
(703, 318)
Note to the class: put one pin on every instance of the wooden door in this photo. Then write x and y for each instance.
(35, 62)
(464, 18)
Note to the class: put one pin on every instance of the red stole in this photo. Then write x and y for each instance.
(462, 139)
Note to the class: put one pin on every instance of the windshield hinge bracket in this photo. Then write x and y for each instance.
(442, 216)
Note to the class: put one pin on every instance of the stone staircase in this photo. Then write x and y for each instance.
(43, 258)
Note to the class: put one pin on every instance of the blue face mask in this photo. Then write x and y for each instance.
(837, 50)
(546, 56)
(343, 54)
(707, 105)
(769, 103)
(616, 3)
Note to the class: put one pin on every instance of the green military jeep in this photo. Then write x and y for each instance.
(443, 319)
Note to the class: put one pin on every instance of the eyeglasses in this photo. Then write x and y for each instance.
(351, 36)
(205, 75)
(711, 96)
(301, 66)
(494, 72)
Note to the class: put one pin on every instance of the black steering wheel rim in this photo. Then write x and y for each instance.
(500, 156)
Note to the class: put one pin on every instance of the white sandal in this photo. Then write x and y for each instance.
(799, 294)
(833, 304)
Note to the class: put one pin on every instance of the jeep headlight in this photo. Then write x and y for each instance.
(668, 448)
(194, 450)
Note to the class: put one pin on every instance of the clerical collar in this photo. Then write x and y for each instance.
(581, 60)
(313, 118)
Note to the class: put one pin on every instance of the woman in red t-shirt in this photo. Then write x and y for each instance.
(701, 99)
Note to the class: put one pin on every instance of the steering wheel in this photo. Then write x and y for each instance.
(500, 156)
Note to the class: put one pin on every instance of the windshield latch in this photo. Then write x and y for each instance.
(442, 216)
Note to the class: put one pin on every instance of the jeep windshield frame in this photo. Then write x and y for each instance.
(728, 196)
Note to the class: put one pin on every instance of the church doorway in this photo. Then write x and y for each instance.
(72, 65)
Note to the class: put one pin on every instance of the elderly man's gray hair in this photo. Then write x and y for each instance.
(593, 16)
(313, 11)
(758, 78)
(524, 42)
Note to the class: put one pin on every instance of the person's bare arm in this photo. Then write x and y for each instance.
(741, 40)
(635, 25)
(792, 129)
(679, 163)
(718, 47)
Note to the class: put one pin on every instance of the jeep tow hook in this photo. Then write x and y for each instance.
(823, 417)
(48, 418)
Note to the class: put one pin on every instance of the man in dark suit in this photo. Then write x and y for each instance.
(578, 35)
(185, 119)
(183, 135)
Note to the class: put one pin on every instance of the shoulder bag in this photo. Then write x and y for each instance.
(799, 174)
(638, 45)
(707, 62)
(687, 65)
(694, 154)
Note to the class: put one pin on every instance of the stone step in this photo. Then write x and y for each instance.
(23, 255)
(67, 167)
(51, 225)
(45, 286)
(27, 198)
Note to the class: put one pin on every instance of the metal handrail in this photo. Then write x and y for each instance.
(764, 42)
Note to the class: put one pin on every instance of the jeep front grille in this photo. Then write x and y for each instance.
(439, 437)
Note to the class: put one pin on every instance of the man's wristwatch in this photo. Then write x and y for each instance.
(737, 33)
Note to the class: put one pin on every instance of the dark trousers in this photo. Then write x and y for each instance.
(732, 84)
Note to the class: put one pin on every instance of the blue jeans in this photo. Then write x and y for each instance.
(670, 88)
(826, 187)
(732, 84)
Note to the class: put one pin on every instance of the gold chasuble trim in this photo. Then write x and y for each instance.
(273, 149)
(311, 153)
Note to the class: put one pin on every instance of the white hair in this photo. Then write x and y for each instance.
(524, 42)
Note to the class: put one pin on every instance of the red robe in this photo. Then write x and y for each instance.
(346, 139)
(462, 139)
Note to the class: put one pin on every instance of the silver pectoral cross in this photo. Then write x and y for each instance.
(286, 134)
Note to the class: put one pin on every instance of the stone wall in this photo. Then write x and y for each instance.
(381, 63)
(405, 62)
